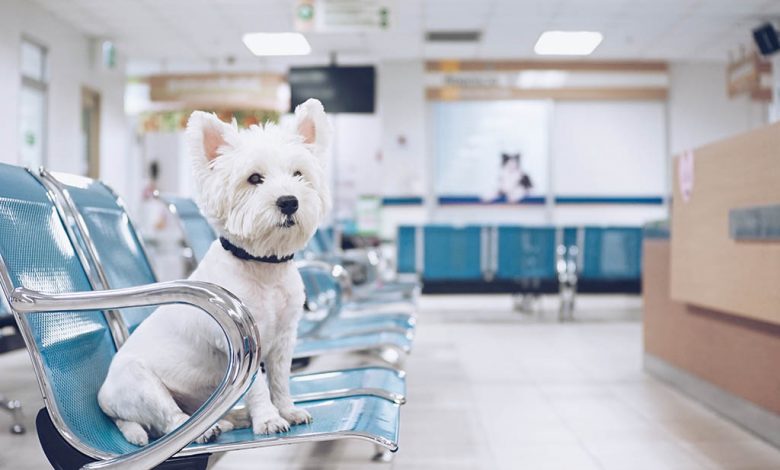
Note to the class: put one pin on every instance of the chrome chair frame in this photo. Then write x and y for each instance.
(97, 276)
(188, 253)
(14, 408)
(397, 398)
(232, 316)
(566, 266)
(73, 222)
(342, 276)
(243, 350)
(11, 406)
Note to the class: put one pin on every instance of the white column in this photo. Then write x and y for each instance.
(774, 107)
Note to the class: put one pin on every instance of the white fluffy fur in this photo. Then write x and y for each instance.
(176, 357)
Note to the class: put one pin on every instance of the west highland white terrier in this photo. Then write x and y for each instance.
(264, 190)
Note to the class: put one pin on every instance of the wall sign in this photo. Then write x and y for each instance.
(239, 90)
(685, 172)
(333, 16)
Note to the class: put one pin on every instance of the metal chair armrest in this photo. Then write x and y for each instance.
(234, 319)
(335, 269)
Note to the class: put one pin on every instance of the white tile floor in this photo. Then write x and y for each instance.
(493, 389)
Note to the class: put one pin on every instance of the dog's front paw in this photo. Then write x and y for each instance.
(211, 435)
(270, 424)
(295, 415)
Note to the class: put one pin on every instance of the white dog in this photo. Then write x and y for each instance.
(513, 183)
(264, 190)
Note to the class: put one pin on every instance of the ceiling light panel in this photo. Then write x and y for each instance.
(277, 44)
(567, 43)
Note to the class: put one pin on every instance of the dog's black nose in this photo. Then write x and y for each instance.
(287, 204)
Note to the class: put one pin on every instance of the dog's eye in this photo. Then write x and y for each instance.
(297, 174)
(255, 178)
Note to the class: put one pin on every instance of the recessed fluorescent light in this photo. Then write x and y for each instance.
(567, 42)
(277, 43)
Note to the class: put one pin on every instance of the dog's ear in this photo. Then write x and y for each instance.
(312, 124)
(208, 136)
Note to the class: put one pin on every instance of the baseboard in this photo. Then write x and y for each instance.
(759, 421)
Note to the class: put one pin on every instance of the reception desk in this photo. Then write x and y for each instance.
(726, 226)
(711, 288)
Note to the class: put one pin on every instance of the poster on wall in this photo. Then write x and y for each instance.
(491, 151)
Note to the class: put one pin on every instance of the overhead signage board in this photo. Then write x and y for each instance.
(217, 91)
(339, 16)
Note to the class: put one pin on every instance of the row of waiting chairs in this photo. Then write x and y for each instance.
(522, 259)
(366, 283)
(78, 282)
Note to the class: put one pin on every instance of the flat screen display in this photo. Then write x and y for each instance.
(340, 89)
(766, 39)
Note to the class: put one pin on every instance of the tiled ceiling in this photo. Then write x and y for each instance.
(202, 34)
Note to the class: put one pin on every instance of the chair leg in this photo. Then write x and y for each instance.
(566, 309)
(381, 454)
(391, 356)
(14, 407)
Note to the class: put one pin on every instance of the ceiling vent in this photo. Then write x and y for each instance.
(453, 36)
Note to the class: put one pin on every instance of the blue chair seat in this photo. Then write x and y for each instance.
(352, 326)
(308, 347)
(378, 381)
(395, 292)
(363, 417)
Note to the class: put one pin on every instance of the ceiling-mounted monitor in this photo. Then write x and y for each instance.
(766, 39)
(340, 89)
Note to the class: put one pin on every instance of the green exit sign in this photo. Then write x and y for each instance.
(306, 11)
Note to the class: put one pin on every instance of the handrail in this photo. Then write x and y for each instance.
(234, 319)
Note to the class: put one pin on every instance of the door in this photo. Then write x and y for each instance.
(90, 132)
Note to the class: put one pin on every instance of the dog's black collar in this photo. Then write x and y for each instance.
(241, 253)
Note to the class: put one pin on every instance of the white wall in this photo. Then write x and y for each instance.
(356, 157)
(608, 148)
(700, 110)
(402, 111)
(404, 148)
(70, 68)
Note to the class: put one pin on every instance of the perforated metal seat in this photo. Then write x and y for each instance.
(71, 343)
(373, 290)
(399, 342)
(323, 291)
(76, 348)
(357, 381)
(196, 230)
(119, 257)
